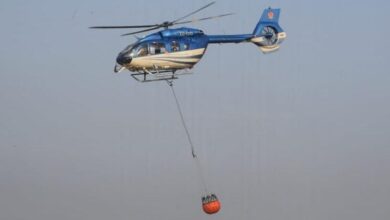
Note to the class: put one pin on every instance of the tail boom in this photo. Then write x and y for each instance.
(223, 39)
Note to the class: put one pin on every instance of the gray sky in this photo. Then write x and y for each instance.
(303, 133)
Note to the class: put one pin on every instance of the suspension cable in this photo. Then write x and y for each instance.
(183, 121)
(194, 156)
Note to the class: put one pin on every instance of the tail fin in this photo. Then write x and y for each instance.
(268, 34)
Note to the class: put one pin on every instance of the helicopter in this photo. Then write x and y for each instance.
(168, 53)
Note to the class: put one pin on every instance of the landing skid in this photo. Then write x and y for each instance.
(148, 76)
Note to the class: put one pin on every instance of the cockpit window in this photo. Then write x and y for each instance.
(145, 49)
(142, 50)
(128, 50)
(139, 50)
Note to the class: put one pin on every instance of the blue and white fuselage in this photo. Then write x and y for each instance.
(182, 48)
(170, 49)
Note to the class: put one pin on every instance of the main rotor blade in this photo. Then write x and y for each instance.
(137, 32)
(202, 19)
(192, 13)
(124, 27)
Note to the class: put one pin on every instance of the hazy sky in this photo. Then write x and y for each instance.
(303, 133)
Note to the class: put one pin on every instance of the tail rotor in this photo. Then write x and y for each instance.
(268, 35)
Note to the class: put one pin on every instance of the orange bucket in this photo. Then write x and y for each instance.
(211, 204)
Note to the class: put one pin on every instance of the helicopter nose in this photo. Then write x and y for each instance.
(123, 60)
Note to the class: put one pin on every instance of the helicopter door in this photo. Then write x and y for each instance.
(156, 48)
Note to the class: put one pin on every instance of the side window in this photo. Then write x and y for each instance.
(156, 48)
(142, 50)
(186, 46)
(162, 48)
(175, 46)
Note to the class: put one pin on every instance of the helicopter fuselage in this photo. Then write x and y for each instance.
(167, 50)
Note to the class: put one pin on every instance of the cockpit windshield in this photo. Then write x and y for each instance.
(127, 50)
(139, 50)
(144, 49)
